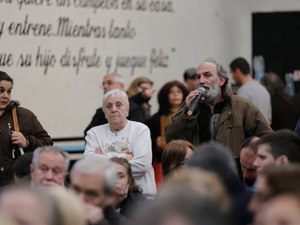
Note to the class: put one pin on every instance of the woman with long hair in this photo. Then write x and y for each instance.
(129, 195)
(170, 97)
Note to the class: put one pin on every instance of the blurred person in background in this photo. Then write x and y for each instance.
(170, 97)
(14, 143)
(141, 85)
(284, 115)
(250, 88)
(189, 77)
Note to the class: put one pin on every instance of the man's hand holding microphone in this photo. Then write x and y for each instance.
(193, 99)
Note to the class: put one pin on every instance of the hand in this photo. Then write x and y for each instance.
(121, 192)
(149, 92)
(192, 95)
(93, 214)
(129, 156)
(98, 151)
(17, 138)
(161, 142)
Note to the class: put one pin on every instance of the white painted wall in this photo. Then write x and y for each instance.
(65, 100)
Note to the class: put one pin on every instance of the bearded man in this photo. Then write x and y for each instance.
(220, 115)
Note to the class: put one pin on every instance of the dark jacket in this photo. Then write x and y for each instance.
(284, 114)
(136, 113)
(155, 128)
(32, 130)
(113, 218)
(132, 203)
(239, 120)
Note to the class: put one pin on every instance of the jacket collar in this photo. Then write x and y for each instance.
(11, 105)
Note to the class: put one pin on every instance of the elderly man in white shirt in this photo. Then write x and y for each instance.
(123, 138)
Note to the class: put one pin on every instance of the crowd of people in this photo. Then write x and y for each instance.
(233, 160)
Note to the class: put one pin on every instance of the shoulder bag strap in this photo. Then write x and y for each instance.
(15, 119)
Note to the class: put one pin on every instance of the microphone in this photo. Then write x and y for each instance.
(196, 101)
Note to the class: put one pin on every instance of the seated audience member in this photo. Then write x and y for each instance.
(129, 195)
(276, 181)
(136, 112)
(94, 180)
(14, 141)
(247, 157)
(22, 167)
(202, 183)
(170, 97)
(141, 85)
(175, 155)
(280, 147)
(184, 208)
(284, 114)
(216, 158)
(49, 166)
(123, 138)
(70, 207)
(189, 77)
(27, 205)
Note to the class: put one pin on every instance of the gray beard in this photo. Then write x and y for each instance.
(213, 91)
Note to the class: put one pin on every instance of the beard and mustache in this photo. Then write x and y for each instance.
(212, 90)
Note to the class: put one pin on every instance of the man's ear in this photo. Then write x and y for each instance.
(122, 86)
(282, 160)
(66, 174)
(222, 81)
(128, 108)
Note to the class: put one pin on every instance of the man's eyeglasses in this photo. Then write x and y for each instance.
(108, 83)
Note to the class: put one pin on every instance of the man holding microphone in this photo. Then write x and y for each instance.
(218, 115)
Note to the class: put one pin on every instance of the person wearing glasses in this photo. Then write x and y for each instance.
(175, 156)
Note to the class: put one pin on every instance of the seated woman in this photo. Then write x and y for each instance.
(129, 194)
(20, 131)
(124, 139)
(175, 155)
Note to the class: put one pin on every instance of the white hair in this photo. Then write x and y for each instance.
(115, 92)
(96, 165)
(118, 78)
(55, 149)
